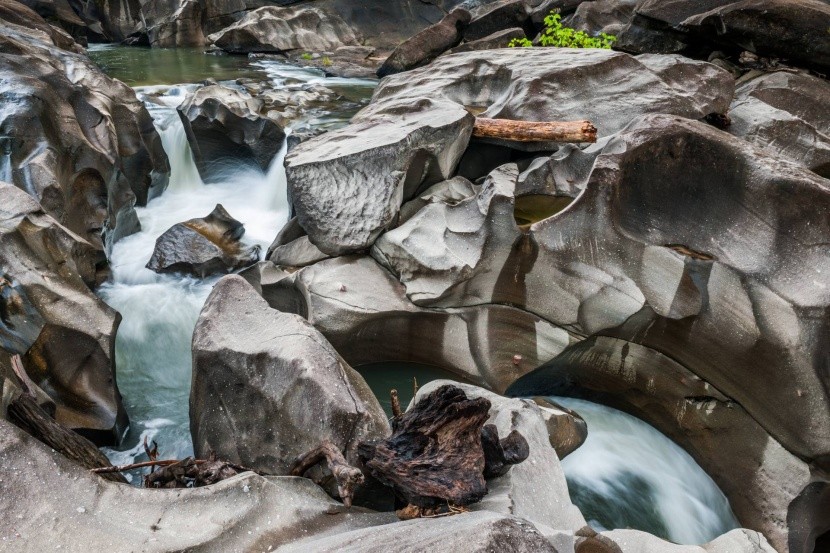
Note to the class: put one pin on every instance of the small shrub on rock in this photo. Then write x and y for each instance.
(555, 34)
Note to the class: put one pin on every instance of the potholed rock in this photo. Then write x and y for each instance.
(203, 247)
(65, 333)
(347, 185)
(363, 312)
(225, 125)
(268, 387)
(77, 140)
(275, 29)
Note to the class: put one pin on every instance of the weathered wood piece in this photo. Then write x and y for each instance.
(348, 478)
(500, 455)
(435, 453)
(191, 472)
(26, 414)
(535, 131)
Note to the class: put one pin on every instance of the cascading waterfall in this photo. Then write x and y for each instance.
(627, 474)
(160, 311)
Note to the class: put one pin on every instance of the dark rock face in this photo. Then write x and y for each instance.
(499, 39)
(427, 45)
(267, 387)
(788, 114)
(78, 141)
(277, 30)
(65, 333)
(499, 16)
(348, 185)
(203, 247)
(795, 30)
(602, 16)
(223, 123)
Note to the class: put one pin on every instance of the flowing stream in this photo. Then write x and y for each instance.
(627, 474)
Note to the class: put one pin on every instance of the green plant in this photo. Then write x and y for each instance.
(307, 56)
(326, 61)
(555, 34)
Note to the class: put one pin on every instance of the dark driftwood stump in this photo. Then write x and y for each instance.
(500, 455)
(348, 478)
(25, 413)
(434, 454)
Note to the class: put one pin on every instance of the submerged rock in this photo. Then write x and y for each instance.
(65, 333)
(75, 139)
(268, 387)
(203, 247)
(277, 30)
(224, 125)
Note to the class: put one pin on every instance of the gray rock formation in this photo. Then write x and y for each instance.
(268, 387)
(363, 312)
(64, 332)
(484, 531)
(608, 88)
(601, 16)
(634, 541)
(77, 140)
(787, 114)
(224, 124)
(498, 39)
(498, 16)
(750, 466)
(348, 185)
(202, 247)
(427, 45)
(49, 501)
(278, 30)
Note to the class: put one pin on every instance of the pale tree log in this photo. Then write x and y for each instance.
(535, 131)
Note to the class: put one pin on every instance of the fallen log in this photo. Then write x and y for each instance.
(348, 478)
(24, 412)
(434, 455)
(535, 131)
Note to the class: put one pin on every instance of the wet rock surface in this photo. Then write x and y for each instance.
(224, 125)
(65, 334)
(203, 247)
(77, 140)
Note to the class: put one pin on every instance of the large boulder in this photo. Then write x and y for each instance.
(224, 124)
(785, 113)
(77, 140)
(268, 387)
(347, 185)
(427, 45)
(65, 333)
(494, 17)
(202, 247)
(279, 30)
(361, 309)
(750, 466)
(561, 84)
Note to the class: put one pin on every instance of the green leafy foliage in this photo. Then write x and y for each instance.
(555, 34)
(307, 56)
(326, 61)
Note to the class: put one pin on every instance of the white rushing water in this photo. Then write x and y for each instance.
(629, 475)
(159, 312)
